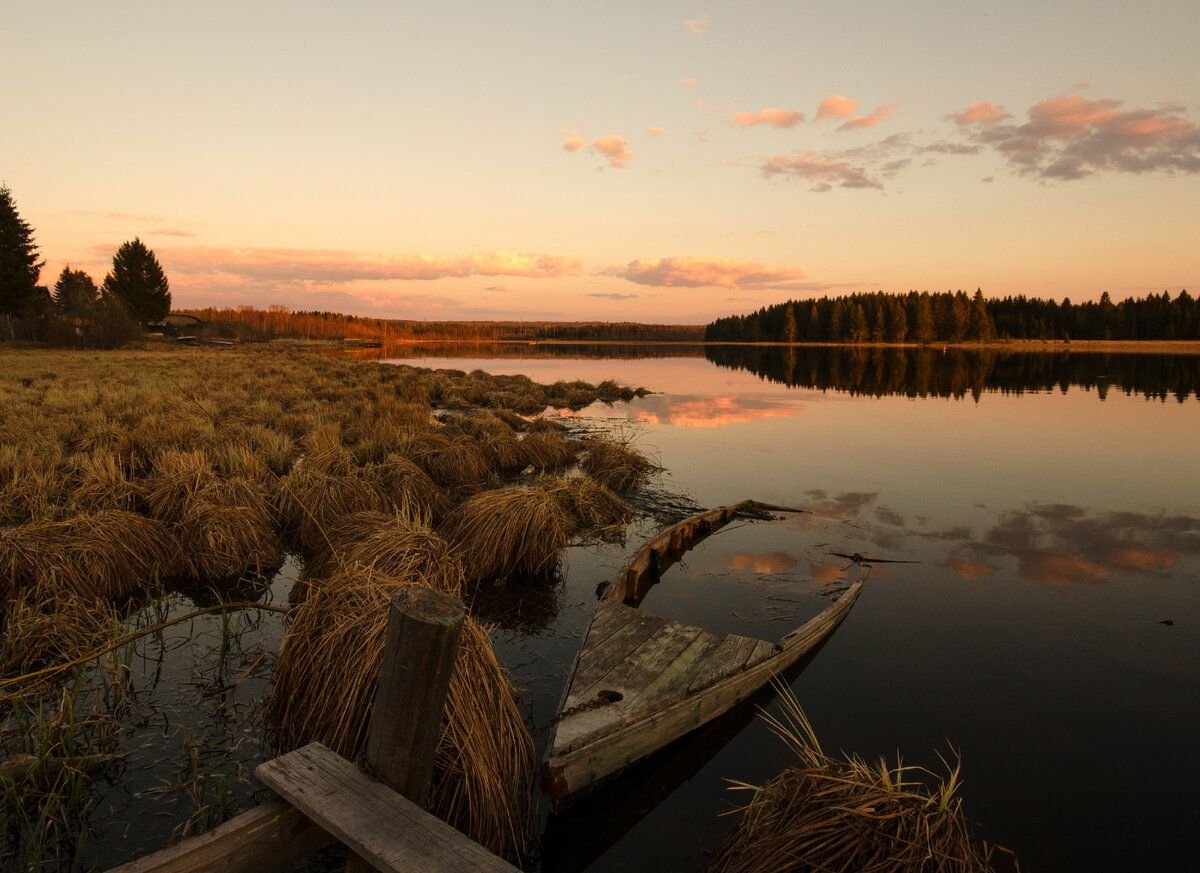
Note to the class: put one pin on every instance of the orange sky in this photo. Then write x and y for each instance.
(607, 161)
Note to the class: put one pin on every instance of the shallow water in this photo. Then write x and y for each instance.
(1051, 504)
(1048, 500)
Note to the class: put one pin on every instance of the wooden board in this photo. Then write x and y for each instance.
(272, 836)
(378, 825)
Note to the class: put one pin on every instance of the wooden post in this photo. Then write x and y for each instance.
(406, 722)
(418, 660)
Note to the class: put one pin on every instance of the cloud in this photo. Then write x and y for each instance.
(169, 231)
(823, 171)
(654, 131)
(1071, 137)
(835, 106)
(614, 148)
(699, 24)
(498, 288)
(878, 115)
(981, 112)
(699, 272)
(689, 82)
(693, 411)
(613, 295)
(768, 115)
(573, 144)
(329, 266)
(764, 563)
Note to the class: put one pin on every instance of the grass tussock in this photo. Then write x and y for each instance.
(46, 623)
(548, 451)
(101, 481)
(324, 690)
(406, 485)
(177, 477)
(616, 464)
(110, 554)
(396, 546)
(845, 814)
(311, 500)
(590, 505)
(226, 532)
(507, 532)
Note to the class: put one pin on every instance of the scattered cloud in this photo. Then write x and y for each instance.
(146, 217)
(768, 115)
(1081, 86)
(879, 114)
(169, 231)
(612, 295)
(823, 171)
(498, 288)
(689, 82)
(654, 131)
(329, 266)
(835, 106)
(699, 272)
(700, 24)
(987, 180)
(614, 148)
(981, 112)
(1071, 137)
(573, 143)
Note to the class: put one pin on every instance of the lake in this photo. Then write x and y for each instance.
(1049, 631)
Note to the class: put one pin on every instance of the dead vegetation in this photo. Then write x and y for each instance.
(845, 814)
(616, 464)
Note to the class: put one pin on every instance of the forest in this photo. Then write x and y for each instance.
(953, 317)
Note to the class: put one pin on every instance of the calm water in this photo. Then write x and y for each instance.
(1049, 500)
(1053, 505)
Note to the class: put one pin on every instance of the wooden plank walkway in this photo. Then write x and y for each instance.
(378, 825)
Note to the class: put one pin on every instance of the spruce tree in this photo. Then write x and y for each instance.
(19, 264)
(75, 293)
(138, 281)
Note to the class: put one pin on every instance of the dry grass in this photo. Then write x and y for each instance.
(828, 814)
(47, 623)
(589, 504)
(548, 451)
(507, 532)
(324, 690)
(109, 554)
(226, 531)
(406, 485)
(101, 481)
(311, 500)
(616, 464)
(177, 477)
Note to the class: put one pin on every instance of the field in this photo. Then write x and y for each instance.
(128, 474)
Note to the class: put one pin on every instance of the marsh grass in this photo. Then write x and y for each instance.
(847, 814)
(508, 531)
(616, 464)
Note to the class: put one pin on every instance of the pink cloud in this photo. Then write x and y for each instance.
(324, 266)
(690, 82)
(654, 131)
(697, 272)
(822, 170)
(614, 148)
(699, 24)
(836, 106)
(770, 116)
(1071, 137)
(573, 144)
(981, 112)
(880, 113)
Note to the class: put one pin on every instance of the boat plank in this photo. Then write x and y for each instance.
(761, 652)
(662, 686)
(595, 663)
(727, 659)
(636, 670)
(608, 619)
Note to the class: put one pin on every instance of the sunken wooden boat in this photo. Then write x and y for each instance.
(641, 681)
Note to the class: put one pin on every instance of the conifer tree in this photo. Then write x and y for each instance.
(19, 264)
(138, 281)
(75, 293)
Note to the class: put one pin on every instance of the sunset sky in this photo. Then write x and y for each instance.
(616, 161)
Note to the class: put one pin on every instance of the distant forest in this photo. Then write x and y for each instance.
(247, 322)
(956, 317)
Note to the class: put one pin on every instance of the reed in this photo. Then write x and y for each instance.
(506, 532)
(616, 464)
(845, 814)
(324, 690)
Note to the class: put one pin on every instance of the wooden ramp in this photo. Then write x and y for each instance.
(641, 681)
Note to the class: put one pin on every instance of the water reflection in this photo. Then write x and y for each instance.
(764, 563)
(684, 410)
(878, 372)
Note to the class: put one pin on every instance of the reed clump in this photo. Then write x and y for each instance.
(616, 464)
(47, 623)
(548, 451)
(324, 690)
(507, 532)
(226, 531)
(845, 814)
(590, 505)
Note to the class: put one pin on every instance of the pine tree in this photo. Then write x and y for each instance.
(138, 281)
(75, 293)
(924, 331)
(789, 324)
(19, 264)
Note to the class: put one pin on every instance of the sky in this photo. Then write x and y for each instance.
(669, 162)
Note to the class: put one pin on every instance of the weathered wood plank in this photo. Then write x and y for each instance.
(727, 659)
(388, 831)
(608, 619)
(640, 665)
(595, 665)
(662, 685)
(270, 837)
(761, 652)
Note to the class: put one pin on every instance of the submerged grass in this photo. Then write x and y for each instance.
(845, 814)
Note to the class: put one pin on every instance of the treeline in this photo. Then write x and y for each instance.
(248, 322)
(954, 317)
(958, 373)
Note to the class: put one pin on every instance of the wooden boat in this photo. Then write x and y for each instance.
(641, 681)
